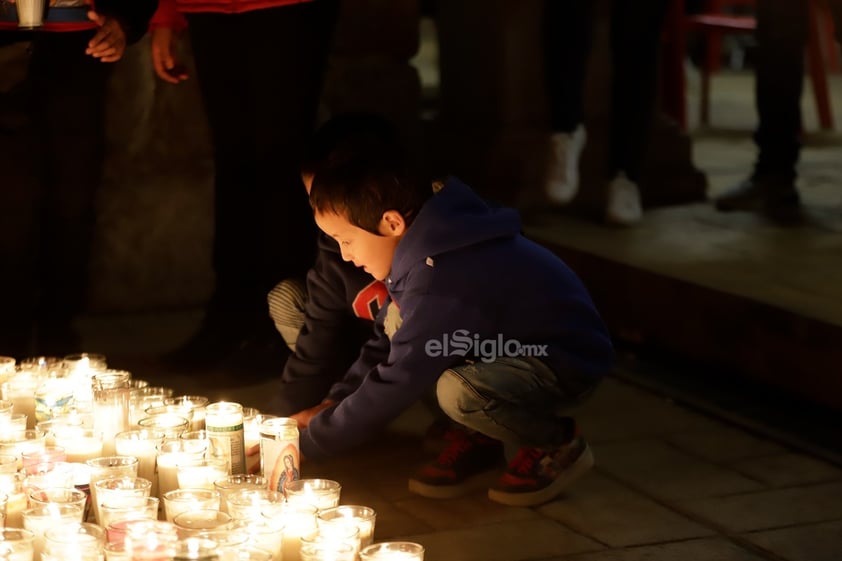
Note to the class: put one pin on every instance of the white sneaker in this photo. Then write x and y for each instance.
(562, 179)
(623, 207)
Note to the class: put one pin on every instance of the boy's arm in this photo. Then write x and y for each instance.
(316, 363)
(411, 369)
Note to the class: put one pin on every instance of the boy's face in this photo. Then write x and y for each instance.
(371, 252)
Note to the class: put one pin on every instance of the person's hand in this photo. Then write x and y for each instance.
(166, 66)
(253, 451)
(303, 417)
(109, 43)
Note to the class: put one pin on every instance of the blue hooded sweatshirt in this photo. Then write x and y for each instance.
(462, 277)
(342, 304)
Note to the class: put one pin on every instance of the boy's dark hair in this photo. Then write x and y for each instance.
(348, 136)
(366, 174)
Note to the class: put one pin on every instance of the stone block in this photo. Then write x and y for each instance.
(745, 512)
(617, 516)
(505, 541)
(669, 474)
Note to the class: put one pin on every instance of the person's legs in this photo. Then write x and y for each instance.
(287, 63)
(779, 80)
(567, 31)
(287, 301)
(635, 42)
(517, 401)
(68, 90)
(260, 87)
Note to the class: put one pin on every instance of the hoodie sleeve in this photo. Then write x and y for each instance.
(167, 16)
(319, 360)
(134, 15)
(393, 385)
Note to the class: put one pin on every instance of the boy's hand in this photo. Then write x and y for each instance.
(254, 451)
(166, 66)
(109, 43)
(303, 417)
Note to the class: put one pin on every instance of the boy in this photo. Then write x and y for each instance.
(327, 321)
(499, 326)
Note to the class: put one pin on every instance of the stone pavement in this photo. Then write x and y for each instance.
(670, 482)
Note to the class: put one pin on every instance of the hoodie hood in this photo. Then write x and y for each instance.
(453, 218)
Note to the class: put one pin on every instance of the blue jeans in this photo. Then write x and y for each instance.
(519, 401)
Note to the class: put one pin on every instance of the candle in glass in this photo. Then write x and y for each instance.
(80, 444)
(110, 405)
(332, 536)
(170, 453)
(11, 485)
(58, 496)
(18, 544)
(192, 522)
(297, 520)
(232, 483)
(364, 517)
(201, 474)
(77, 542)
(129, 508)
(143, 445)
(106, 467)
(226, 418)
(151, 540)
(20, 390)
(39, 459)
(185, 500)
(280, 459)
(324, 493)
(170, 424)
(196, 403)
(263, 534)
(248, 504)
(37, 520)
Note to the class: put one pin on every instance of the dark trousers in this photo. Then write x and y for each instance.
(52, 173)
(782, 29)
(635, 40)
(260, 76)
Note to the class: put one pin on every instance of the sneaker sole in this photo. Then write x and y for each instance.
(471, 485)
(579, 468)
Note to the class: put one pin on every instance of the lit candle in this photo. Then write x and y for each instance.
(323, 493)
(170, 453)
(364, 517)
(297, 520)
(80, 444)
(141, 444)
(185, 500)
(226, 417)
(18, 544)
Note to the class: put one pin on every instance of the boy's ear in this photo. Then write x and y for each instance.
(392, 224)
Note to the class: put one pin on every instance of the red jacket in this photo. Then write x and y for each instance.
(133, 15)
(169, 14)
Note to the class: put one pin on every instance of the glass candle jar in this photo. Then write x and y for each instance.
(233, 483)
(110, 405)
(226, 418)
(388, 551)
(280, 458)
(323, 493)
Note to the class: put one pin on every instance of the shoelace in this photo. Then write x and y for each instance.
(456, 447)
(525, 459)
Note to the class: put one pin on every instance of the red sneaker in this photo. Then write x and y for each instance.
(536, 476)
(459, 468)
